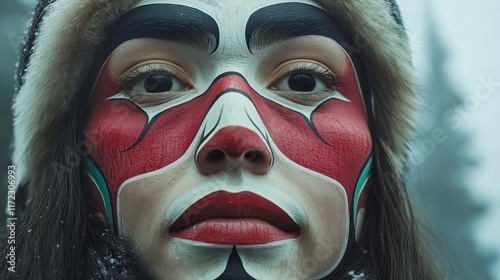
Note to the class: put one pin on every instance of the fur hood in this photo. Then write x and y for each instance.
(66, 34)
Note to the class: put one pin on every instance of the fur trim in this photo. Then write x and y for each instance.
(66, 42)
(71, 31)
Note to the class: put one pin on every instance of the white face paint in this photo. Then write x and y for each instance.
(235, 157)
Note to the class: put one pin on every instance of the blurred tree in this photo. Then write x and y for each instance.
(440, 166)
(14, 16)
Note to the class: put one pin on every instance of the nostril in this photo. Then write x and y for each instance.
(250, 155)
(254, 157)
(215, 155)
(232, 148)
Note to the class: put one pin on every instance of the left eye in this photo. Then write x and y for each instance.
(155, 83)
(300, 82)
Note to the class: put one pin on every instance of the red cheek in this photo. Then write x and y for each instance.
(342, 142)
(116, 141)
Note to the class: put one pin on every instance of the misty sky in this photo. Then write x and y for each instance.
(470, 34)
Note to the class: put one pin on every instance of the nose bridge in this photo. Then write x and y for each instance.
(233, 109)
(234, 137)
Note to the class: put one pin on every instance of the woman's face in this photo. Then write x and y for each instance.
(229, 137)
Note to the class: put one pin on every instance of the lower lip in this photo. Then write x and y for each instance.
(234, 231)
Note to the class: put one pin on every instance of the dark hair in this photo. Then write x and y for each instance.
(392, 245)
(57, 236)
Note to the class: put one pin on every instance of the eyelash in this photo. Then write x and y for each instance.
(326, 76)
(129, 79)
(331, 82)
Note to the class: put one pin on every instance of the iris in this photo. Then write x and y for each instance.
(301, 82)
(158, 83)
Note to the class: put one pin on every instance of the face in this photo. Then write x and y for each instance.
(229, 137)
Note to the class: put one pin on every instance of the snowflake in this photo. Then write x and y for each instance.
(356, 276)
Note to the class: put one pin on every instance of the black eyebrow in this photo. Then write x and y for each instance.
(288, 20)
(279, 22)
(176, 23)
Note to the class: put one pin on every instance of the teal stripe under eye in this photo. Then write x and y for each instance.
(365, 173)
(94, 172)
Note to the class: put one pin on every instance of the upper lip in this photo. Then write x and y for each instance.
(222, 204)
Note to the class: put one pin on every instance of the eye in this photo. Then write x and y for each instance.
(156, 83)
(304, 82)
(301, 82)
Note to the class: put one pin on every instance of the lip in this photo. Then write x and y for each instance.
(242, 218)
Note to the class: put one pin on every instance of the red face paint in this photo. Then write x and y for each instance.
(335, 143)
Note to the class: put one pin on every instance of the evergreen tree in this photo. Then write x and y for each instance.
(440, 166)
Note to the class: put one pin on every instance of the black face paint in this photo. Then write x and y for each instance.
(288, 20)
(175, 23)
(234, 268)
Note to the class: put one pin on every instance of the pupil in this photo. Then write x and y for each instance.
(158, 83)
(301, 82)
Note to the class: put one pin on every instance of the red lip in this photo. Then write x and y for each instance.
(242, 218)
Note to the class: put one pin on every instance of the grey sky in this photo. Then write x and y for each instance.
(469, 31)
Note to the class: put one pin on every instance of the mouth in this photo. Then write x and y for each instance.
(242, 218)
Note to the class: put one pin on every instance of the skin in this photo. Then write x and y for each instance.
(231, 130)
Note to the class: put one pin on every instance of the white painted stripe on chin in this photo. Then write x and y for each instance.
(213, 257)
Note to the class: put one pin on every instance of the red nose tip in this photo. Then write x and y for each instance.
(234, 147)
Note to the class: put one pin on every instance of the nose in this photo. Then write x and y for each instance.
(232, 148)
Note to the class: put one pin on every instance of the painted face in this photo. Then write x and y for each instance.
(229, 137)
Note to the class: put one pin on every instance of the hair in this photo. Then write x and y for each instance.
(58, 238)
(392, 244)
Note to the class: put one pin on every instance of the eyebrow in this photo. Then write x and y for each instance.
(279, 22)
(175, 23)
(283, 21)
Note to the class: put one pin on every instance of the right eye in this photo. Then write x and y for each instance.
(304, 81)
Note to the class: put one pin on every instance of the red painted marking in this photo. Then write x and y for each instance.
(115, 125)
(234, 141)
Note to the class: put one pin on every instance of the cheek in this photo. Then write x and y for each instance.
(140, 206)
(334, 140)
(123, 142)
(126, 145)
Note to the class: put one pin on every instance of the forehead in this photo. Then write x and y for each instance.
(231, 16)
(259, 22)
